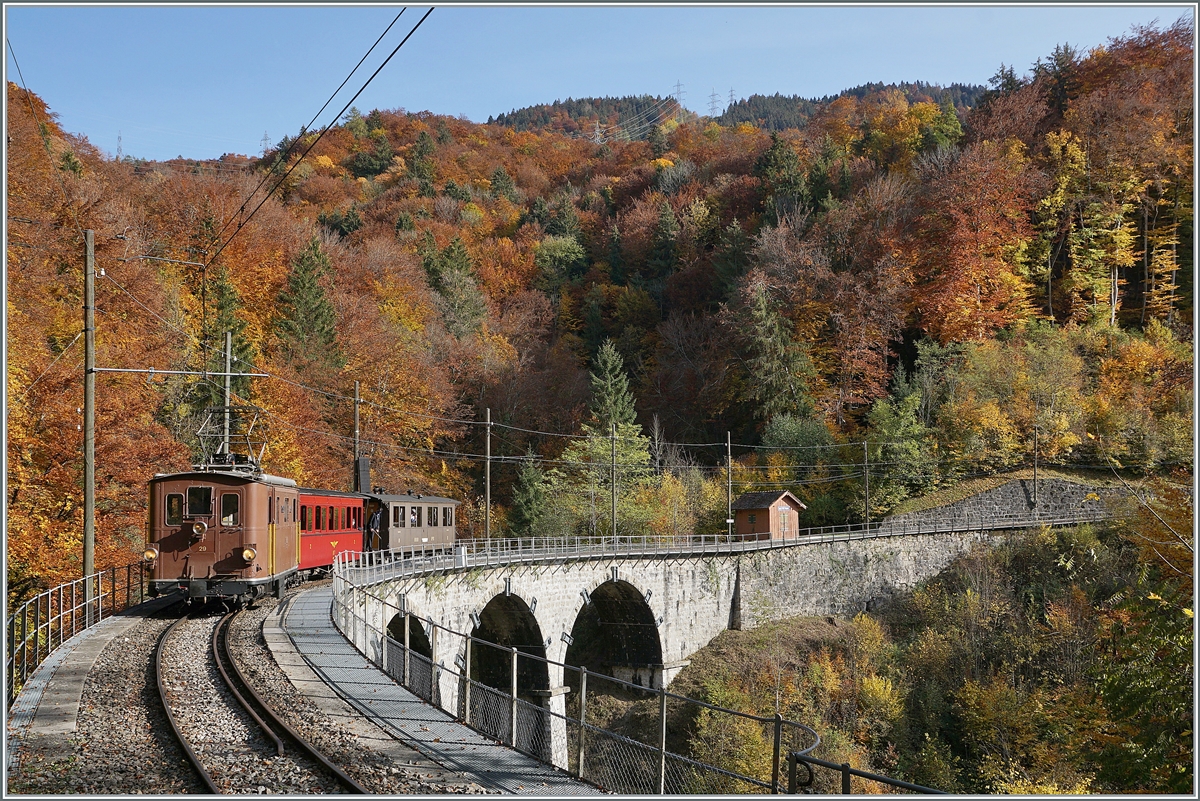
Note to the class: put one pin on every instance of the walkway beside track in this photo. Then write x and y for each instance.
(46, 712)
(307, 620)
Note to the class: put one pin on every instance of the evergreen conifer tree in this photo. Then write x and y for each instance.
(779, 368)
(224, 317)
(586, 474)
(502, 184)
(658, 142)
(529, 499)
(306, 327)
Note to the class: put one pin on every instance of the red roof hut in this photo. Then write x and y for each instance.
(771, 515)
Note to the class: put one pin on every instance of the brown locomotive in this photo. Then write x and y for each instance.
(224, 533)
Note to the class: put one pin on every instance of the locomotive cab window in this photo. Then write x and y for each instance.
(229, 509)
(175, 509)
(199, 501)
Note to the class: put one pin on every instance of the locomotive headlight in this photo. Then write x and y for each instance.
(150, 554)
(199, 527)
(249, 553)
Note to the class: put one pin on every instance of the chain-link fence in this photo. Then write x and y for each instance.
(502, 692)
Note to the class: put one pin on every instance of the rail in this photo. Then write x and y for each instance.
(42, 624)
(524, 719)
(374, 566)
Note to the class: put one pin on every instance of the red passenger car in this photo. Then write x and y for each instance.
(330, 522)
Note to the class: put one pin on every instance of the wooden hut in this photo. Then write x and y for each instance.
(771, 515)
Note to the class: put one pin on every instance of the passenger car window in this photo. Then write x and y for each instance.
(199, 501)
(432, 517)
(415, 517)
(175, 509)
(229, 509)
(320, 518)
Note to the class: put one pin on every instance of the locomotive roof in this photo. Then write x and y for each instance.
(256, 478)
(409, 497)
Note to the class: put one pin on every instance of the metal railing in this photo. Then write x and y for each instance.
(805, 784)
(374, 566)
(523, 717)
(43, 623)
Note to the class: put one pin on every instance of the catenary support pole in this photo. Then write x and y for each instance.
(866, 486)
(487, 481)
(357, 430)
(613, 429)
(89, 415)
(729, 483)
(228, 366)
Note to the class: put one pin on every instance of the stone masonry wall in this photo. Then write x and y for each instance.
(1056, 498)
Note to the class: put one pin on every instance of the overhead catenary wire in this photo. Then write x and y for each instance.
(283, 157)
(324, 130)
(61, 353)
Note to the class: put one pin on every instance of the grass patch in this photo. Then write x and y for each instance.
(974, 486)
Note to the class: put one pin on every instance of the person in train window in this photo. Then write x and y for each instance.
(415, 519)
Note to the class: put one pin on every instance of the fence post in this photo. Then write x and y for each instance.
(582, 717)
(845, 778)
(406, 645)
(24, 643)
(74, 608)
(37, 631)
(433, 666)
(12, 659)
(513, 742)
(467, 685)
(662, 738)
(128, 582)
(775, 760)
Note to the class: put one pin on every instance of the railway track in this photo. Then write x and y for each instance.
(232, 737)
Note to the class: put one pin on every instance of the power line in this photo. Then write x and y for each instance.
(318, 139)
(282, 158)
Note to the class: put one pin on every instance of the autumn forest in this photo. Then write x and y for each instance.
(932, 287)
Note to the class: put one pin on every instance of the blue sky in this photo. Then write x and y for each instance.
(202, 81)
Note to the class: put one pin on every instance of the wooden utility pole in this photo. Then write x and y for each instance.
(89, 410)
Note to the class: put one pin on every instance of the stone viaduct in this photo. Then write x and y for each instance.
(639, 616)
